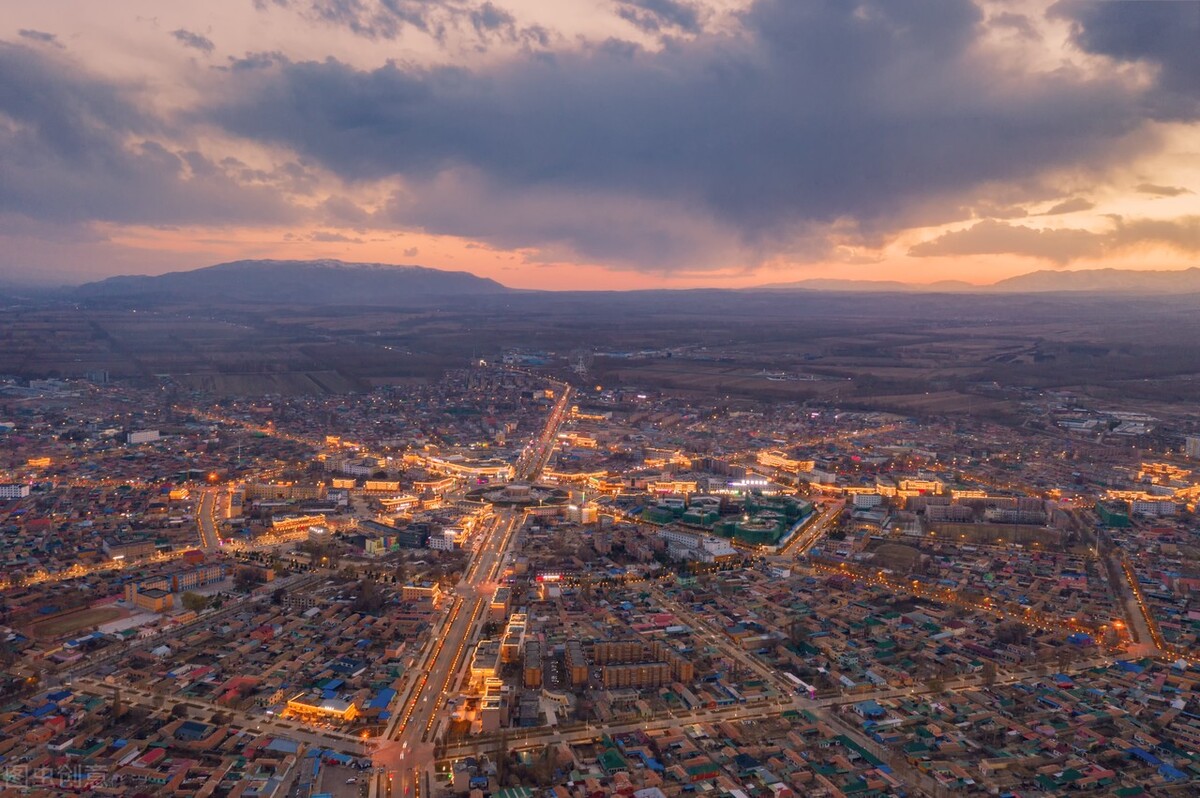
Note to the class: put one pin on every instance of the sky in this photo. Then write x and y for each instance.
(608, 144)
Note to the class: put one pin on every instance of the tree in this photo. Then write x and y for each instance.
(369, 599)
(246, 579)
(797, 631)
(194, 601)
(277, 595)
(989, 673)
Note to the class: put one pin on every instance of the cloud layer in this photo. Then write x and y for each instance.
(789, 131)
(881, 113)
(1064, 245)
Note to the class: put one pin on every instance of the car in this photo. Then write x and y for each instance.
(352, 780)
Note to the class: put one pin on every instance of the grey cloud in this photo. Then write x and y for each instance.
(326, 236)
(1182, 233)
(374, 20)
(813, 114)
(999, 238)
(390, 19)
(249, 61)
(993, 210)
(193, 40)
(1072, 205)
(564, 223)
(341, 211)
(74, 148)
(654, 16)
(1015, 22)
(1164, 191)
(1062, 246)
(490, 17)
(386, 19)
(490, 22)
(1164, 34)
(39, 36)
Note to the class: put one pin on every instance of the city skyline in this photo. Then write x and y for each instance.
(581, 144)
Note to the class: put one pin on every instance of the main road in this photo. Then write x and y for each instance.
(206, 520)
(404, 760)
(408, 751)
(535, 456)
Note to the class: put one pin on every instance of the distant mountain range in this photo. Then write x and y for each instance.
(306, 282)
(334, 282)
(1132, 281)
(1124, 281)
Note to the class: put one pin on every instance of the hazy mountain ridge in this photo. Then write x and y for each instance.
(1105, 280)
(335, 282)
(324, 282)
(1126, 281)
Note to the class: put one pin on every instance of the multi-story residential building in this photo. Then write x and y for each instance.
(197, 577)
(13, 490)
(532, 673)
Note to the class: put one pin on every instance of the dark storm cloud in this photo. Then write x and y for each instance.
(653, 16)
(39, 36)
(873, 115)
(1064, 245)
(74, 148)
(1163, 34)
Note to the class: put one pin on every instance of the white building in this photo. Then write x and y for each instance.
(142, 436)
(1192, 447)
(1158, 509)
(779, 571)
(583, 513)
(442, 542)
(675, 537)
(865, 501)
(690, 546)
(711, 548)
(13, 490)
(360, 468)
(821, 477)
